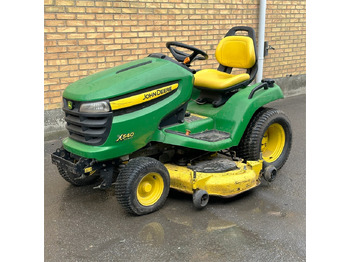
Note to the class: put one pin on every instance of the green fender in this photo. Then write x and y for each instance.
(238, 111)
(233, 118)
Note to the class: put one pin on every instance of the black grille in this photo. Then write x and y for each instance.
(87, 128)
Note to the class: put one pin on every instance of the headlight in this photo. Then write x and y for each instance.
(95, 107)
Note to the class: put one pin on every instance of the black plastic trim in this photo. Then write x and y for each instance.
(134, 66)
(262, 85)
(87, 128)
(175, 117)
(162, 56)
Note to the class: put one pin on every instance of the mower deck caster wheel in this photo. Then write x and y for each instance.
(270, 173)
(200, 199)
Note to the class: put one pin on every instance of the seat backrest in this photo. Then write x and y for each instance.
(236, 51)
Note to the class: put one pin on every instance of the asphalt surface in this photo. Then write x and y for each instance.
(267, 223)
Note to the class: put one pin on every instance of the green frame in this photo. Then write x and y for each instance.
(233, 118)
(134, 130)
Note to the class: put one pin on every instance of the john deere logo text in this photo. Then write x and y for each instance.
(158, 92)
(142, 98)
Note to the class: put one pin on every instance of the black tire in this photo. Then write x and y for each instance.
(142, 186)
(74, 180)
(262, 122)
(200, 199)
(270, 173)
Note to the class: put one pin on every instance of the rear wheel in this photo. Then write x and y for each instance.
(143, 186)
(269, 133)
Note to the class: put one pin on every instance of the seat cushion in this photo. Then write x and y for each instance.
(214, 79)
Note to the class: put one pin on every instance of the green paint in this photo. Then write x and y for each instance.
(109, 84)
(233, 117)
(143, 123)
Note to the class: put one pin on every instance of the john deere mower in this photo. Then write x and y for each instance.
(156, 123)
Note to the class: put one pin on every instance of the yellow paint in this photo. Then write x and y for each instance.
(203, 117)
(273, 143)
(256, 166)
(224, 184)
(181, 178)
(236, 51)
(150, 189)
(123, 137)
(232, 51)
(212, 78)
(88, 169)
(142, 98)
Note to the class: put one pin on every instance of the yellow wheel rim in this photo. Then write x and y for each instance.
(273, 142)
(150, 189)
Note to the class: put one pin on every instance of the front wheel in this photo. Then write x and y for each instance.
(269, 133)
(142, 186)
(76, 180)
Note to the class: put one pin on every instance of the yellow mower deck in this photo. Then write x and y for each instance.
(226, 183)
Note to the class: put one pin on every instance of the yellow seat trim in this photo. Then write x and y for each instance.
(236, 52)
(214, 79)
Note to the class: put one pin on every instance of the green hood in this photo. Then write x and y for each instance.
(125, 79)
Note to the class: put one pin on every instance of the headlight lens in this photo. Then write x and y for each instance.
(95, 107)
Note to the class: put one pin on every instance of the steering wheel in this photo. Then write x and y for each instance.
(183, 57)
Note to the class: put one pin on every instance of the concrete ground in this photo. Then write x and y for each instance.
(264, 224)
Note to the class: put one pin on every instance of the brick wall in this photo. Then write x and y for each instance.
(85, 36)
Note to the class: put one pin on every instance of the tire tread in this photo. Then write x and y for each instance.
(250, 142)
(124, 186)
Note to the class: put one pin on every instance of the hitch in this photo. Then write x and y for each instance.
(83, 167)
(67, 161)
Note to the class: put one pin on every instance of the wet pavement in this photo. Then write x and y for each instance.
(263, 224)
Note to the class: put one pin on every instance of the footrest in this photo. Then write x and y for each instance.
(209, 135)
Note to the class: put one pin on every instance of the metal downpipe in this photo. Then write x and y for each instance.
(261, 39)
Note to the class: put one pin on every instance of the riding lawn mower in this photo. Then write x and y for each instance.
(155, 123)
